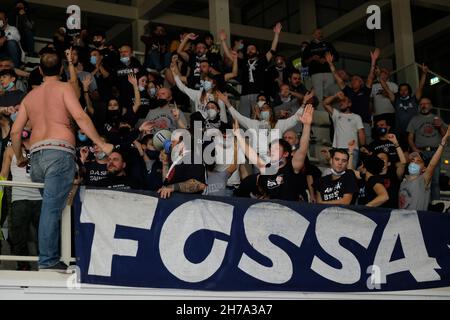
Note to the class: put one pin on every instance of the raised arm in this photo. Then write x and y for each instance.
(329, 100)
(181, 48)
(386, 88)
(250, 153)
(428, 175)
(401, 155)
(137, 95)
(82, 119)
(298, 160)
(234, 73)
(276, 38)
(192, 94)
(243, 120)
(423, 79)
(223, 41)
(329, 57)
(86, 83)
(73, 79)
(373, 59)
(382, 196)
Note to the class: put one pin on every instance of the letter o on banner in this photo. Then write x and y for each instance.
(185, 220)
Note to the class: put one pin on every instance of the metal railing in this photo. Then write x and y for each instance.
(66, 224)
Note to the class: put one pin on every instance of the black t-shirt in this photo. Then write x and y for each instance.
(257, 68)
(117, 183)
(336, 189)
(366, 191)
(125, 87)
(385, 146)
(183, 172)
(285, 185)
(392, 184)
(12, 98)
(360, 101)
(319, 49)
(94, 172)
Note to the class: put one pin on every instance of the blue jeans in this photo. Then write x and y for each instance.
(56, 169)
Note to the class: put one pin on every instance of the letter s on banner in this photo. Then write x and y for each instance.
(185, 220)
(262, 220)
(332, 225)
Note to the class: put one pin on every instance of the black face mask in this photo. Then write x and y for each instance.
(382, 131)
(113, 115)
(97, 44)
(124, 131)
(161, 102)
(152, 154)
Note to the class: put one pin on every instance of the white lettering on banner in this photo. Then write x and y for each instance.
(184, 221)
(405, 225)
(333, 224)
(261, 221)
(106, 210)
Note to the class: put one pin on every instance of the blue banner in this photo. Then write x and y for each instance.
(224, 244)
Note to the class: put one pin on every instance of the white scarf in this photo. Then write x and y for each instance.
(251, 68)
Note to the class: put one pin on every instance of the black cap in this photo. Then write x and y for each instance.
(373, 164)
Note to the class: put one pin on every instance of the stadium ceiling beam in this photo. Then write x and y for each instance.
(346, 22)
(93, 6)
(443, 5)
(196, 23)
(423, 34)
(152, 8)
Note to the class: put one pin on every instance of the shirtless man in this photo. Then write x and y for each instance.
(49, 110)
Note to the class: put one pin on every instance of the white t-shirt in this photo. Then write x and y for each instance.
(346, 126)
(381, 103)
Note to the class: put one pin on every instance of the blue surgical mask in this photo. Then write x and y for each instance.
(152, 92)
(141, 88)
(94, 60)
(13, 117)
(82, 137)
(265, 115)
(207, 85)
(125, 60)
(414, 169)
(9, 86)
(241, 46)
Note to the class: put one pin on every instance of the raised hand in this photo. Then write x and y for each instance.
(424, 68)
(340, 95)
(175, 113)
(235, 55)
(308, 96)
(222, 35)
(87, 82)
(392, 138)
(351, 146)
(375, 55)
(329, 57)
(307, 117)
(147, 127)
(132, 79)
(223, 97)
(278, 27)
(192, 36)
(69, 54)
(84, 152)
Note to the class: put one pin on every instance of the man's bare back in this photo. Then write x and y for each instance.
(47, 112)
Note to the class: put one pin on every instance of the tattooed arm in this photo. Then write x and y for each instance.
(189, 186)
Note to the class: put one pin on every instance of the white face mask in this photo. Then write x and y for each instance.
(261, 104)
(2, 24)
(212, 114)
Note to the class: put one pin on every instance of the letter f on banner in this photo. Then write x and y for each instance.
(106, 210)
